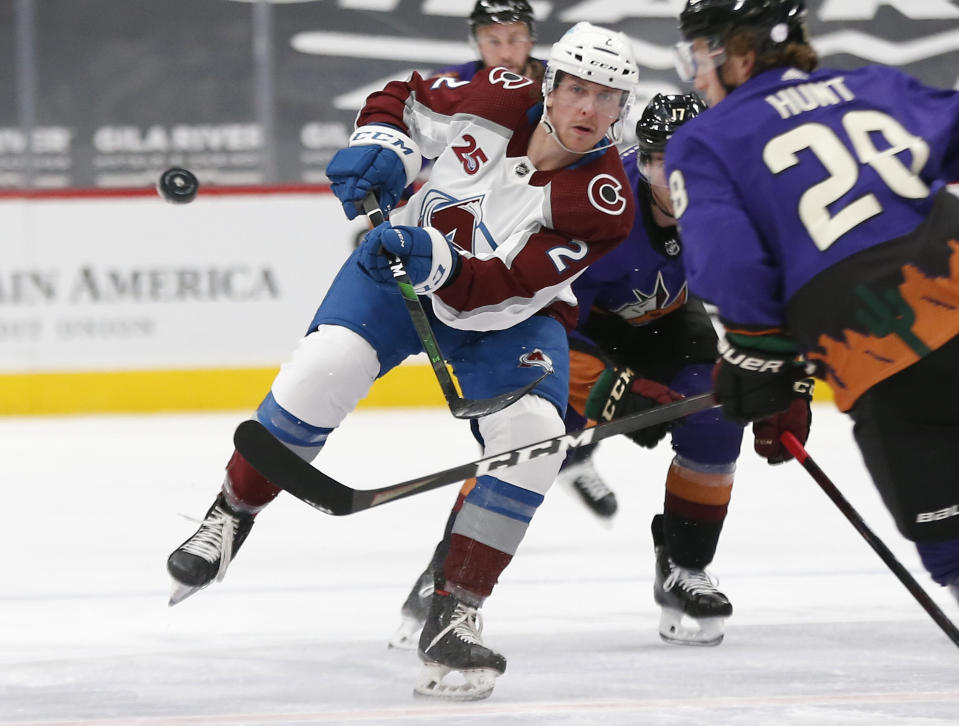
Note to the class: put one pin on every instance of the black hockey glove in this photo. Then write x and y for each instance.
(751, 384)
(618, 392)
(796, 419)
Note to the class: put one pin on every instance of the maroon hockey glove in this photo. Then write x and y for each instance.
(796, 419)
(620, 393)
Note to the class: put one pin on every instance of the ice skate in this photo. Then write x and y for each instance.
(450, 644)
(205, 556)
(694, 611)
(413, 613)
(582, 477)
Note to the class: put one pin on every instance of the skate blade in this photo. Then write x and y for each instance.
(407, 636)
(677, 628)
(477, 683)
(181, 592)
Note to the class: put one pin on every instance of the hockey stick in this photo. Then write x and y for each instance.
(301, 479)
(460, 407)
(796, 449)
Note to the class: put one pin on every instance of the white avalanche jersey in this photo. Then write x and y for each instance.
(522, 235)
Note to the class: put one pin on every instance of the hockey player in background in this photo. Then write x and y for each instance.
(523, 196)
(640, 342)
(815, 214)
(503, 32)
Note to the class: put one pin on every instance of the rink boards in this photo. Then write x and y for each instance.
(115, 301)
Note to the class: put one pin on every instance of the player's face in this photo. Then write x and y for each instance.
(582, 111)
(701, 62)
(504, 44)
(655, 173)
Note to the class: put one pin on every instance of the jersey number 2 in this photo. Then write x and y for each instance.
(823, 226)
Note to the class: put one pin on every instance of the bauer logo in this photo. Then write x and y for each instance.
(939, 514)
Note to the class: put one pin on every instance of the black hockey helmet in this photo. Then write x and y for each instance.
(662, 116)
(487, 12)
(778, 21)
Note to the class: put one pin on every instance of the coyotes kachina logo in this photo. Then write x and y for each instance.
(469, 153)
(655, 304)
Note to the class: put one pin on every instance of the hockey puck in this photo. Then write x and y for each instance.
(178, 185)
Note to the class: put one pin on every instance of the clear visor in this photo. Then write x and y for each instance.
(653, 169)
(608, 102)
(698, 56)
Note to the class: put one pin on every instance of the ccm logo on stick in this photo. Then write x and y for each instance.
(556, 446)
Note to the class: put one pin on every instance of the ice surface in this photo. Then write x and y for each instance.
(822, 634)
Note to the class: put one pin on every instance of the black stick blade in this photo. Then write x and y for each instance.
(289, 472)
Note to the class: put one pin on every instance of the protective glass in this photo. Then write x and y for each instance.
(698, 56)
(652, 168)
(608, 102)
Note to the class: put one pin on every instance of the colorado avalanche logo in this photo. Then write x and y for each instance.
(536, 358)
(458, 219)
(471, 156)
(605, 192)
(508, 79)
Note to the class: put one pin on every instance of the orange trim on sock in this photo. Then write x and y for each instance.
(698, 487)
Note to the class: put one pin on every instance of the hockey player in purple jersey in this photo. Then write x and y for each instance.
(641, 341)
(503, 32)
(524, 193)
(814, 208)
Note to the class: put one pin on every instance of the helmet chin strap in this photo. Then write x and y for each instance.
(551, 130)
(728, 87)
(660, 206)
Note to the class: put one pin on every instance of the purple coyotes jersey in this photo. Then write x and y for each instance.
(460, 71)
(795, 172)
(642, 278)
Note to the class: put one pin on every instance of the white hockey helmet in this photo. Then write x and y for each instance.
(595, 54)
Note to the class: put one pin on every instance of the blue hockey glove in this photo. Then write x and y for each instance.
(358, 170)
(379, 159)
(753, 383)
(428, 262)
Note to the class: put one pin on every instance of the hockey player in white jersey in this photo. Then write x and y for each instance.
(524, 194)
